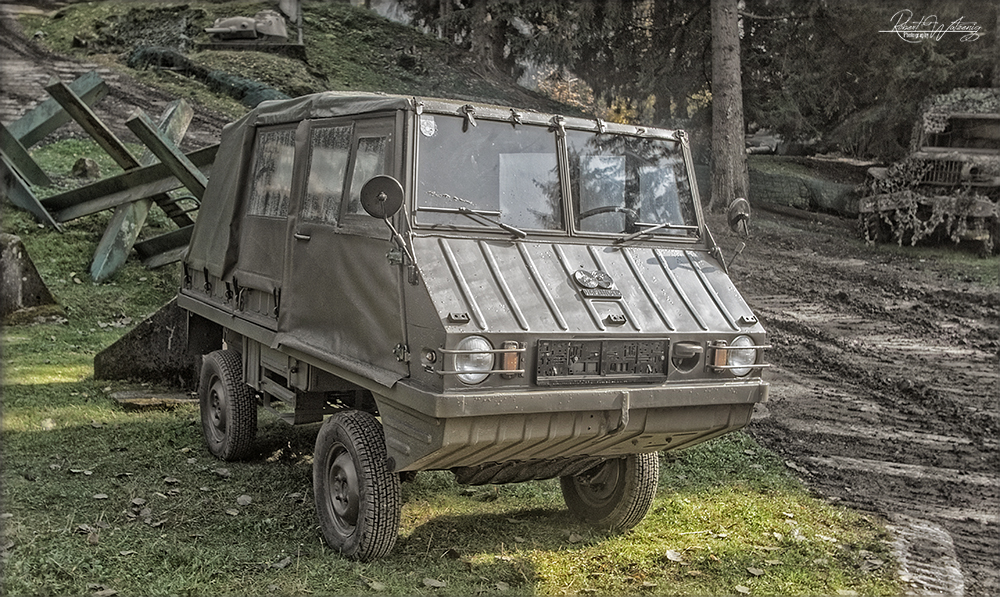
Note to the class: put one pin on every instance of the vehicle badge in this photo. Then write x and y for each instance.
(596, 284)
(428, 126)
(584, 278)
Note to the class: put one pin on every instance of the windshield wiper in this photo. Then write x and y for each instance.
(651, 229)
(478, 215)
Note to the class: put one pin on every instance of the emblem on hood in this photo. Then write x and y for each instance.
(596, 284)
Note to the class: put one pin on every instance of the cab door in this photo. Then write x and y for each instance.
(342, 299)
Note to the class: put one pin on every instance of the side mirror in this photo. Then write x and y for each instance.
(738, 216)
(382, 196)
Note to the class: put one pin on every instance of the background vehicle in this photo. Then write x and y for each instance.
(505, 294)
(949, 186)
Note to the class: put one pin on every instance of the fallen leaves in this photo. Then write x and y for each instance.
(101, 591)
(374, 584)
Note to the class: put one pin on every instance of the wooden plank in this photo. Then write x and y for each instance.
(127, 221)
(19, 158)
(13, 187)
(166, 258)
(133, 185)
(165, 248)
(169, 154)
(86, 118)
(48, 116)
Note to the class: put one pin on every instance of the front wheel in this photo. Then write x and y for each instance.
(616, 494)
(358, 499)
(228, 408)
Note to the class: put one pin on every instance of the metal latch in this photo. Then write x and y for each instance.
(395, 256)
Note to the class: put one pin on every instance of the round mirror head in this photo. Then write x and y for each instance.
(382, 196)
(738, 213)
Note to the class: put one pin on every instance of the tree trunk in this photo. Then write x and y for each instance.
(487, 38)
(996, 47)
(729, 157)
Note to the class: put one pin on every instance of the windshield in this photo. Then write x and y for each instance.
(623, 184)
(503, 176)
(492, 172)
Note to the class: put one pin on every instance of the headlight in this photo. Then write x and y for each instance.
(741, 358)
(475, 361)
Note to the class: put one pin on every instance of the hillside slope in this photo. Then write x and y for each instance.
(346, 48)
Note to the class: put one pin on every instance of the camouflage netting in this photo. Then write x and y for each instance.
(248, 92)
(904, 205)
(907, 217)
(938, 108)
(895, 208)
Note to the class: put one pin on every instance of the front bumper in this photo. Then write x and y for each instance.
(442, 431)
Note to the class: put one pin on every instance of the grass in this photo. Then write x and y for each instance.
(99, 497)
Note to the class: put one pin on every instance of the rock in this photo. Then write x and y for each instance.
(22, 287)
(86, 168)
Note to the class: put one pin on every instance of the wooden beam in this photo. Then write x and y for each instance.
(14, 188)
(169, 154)
(165, 248)
(19, 158)
(128, 219)
(48, 116)
(129, 186)
(86, 118)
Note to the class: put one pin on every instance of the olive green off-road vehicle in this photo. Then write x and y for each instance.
(948, 188)
(501, 293)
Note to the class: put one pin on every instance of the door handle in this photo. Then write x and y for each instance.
(299, 236)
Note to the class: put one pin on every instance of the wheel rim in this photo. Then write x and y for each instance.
(217, 418)
(343, 496)
(598, 489)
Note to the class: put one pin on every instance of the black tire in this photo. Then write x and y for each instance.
(358, 498)
(228, 408)
(616, 494)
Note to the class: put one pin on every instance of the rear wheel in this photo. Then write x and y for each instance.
(616, 494)
(228, 409)
(358, 500)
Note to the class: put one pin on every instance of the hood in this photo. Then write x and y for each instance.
(488, 285)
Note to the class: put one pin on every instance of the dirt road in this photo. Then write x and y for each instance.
(885, 389)
(885, 386)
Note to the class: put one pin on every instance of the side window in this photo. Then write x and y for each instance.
(372, 158)
(329, 152)
(272, 173)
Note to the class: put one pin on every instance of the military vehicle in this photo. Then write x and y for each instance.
(266, 25)
(948, 188)
(501, 293)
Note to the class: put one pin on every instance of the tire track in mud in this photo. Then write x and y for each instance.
(883, 397)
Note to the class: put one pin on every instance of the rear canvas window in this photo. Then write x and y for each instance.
(271, 186)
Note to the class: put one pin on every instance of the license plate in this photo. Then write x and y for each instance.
(563, 362)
